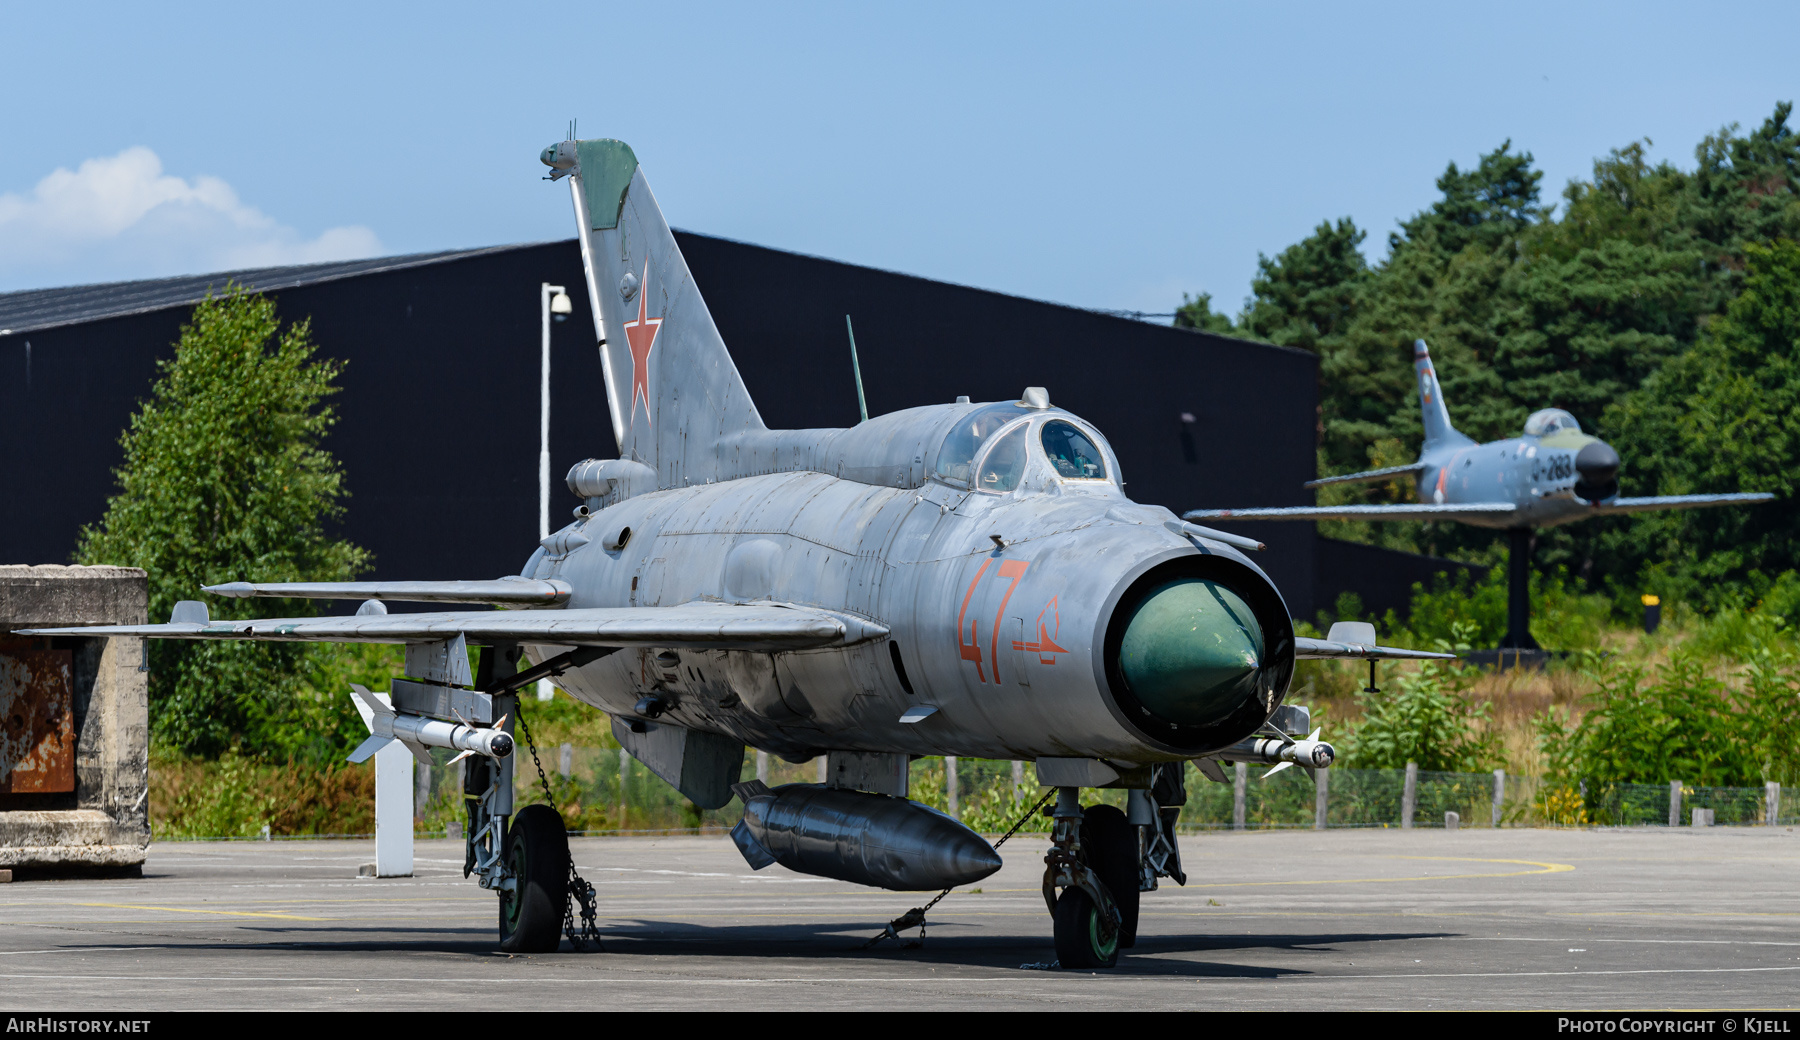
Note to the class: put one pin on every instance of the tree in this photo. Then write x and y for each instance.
(226, 479)
(1306, 295)
(1196, 312)
(1722, 417)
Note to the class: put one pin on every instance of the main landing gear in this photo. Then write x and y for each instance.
(537, 857)
(1101, 860)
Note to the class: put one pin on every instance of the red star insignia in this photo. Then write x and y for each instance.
(641, 335)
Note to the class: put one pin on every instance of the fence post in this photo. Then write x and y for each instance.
(1674, 803)
(624, 775)
(1321, 796)
(422, 773)
(1772, 801)
(394, 811)
(1409, 796)
(1241, 774)
(950, 799)
(1018, 776)
(824, 767)
(1499, 794)
(566, 760)
(762, 766)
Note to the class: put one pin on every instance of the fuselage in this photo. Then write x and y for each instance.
(1538, 474)
(993, 542)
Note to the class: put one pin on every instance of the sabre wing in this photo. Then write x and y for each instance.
(1646, 505)
(1386, 473)
(1478, 510)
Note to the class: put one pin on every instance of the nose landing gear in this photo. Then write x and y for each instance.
(1101, 860)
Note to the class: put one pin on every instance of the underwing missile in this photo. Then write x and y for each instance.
(868, 839)
(1312, 752)
(418, 732)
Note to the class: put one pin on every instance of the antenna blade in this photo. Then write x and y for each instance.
(862, 404)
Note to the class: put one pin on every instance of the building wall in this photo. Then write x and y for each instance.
(438, 429)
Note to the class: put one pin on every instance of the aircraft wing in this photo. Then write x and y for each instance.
(1645, 505)
(1386, 473)
(700, 626)
(1403, 511)
(1326, 650)
(512, 592)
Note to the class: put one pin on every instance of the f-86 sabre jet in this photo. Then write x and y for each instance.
(952, 579)
(1551, 474)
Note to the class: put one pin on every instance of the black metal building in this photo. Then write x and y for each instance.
(438, 430)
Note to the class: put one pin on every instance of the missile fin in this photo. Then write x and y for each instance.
(368, 705)
(1277, 769)
(368, 747)
(418, 751)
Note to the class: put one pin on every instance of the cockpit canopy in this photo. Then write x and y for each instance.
(989, 448)
(1548, 421)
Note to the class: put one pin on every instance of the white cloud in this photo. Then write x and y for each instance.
(122, 217)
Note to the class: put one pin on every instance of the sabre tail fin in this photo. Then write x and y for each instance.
(1432, 410)
(670, 383)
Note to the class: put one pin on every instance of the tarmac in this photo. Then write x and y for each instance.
(1270, 920)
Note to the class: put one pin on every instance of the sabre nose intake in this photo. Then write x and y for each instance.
(1191, 652)
(1598, 466)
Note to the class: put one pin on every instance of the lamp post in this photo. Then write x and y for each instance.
(553, 304)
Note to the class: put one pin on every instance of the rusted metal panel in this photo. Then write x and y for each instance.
(37, 721)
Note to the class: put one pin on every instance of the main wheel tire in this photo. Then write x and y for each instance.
(1077, 931)
(537, 854)
(1109, 843)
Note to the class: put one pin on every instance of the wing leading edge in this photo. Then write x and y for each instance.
(1645, 505)
(702, 626)
(1403, 511)
(511, 592)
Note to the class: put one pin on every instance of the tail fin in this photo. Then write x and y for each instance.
(670, 383)
(1431, 401)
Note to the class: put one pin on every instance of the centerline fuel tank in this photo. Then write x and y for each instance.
(868, 839)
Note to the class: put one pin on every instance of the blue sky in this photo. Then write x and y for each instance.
(1101, 155)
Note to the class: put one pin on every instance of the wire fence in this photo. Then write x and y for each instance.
(605, 791)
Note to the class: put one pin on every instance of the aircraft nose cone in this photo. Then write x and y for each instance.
(1597, 463)
(1597, 466)
(1191, 652)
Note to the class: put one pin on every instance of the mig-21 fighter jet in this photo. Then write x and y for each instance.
(1551, 474)
(953, 579)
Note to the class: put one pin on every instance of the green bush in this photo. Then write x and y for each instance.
(1692, 723)
(1424, 716)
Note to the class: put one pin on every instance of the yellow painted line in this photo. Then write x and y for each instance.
(186, 910)
(1673, 913)
(1543, 868)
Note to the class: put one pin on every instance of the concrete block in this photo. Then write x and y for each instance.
(1452, 821)
(104, 822)
(1702, 818)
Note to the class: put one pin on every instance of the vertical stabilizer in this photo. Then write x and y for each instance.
(1432, 410)
(671, 386)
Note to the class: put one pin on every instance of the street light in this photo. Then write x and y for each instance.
(553, 304)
